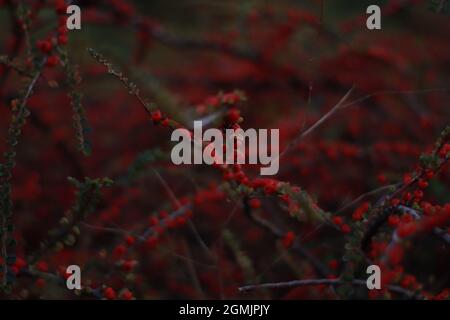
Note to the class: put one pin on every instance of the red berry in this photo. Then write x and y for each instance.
(395, 202)
(119, 250)
(345, 228)
(358, 214)
(423, 184)
(408, 281)
(180, 221)
(418, 194)
(288, 239)
(153, 221)
(171, 223)
(231, 98)
(405, 230)
(60, 6)
(45, 46)
(394, 220)
(52, 61)
(254, 203)
(333, 264)
(406, 218)
(14, 270)
(427, 208)
(373, 294)
(156, 116)
(395, 255)
(63, 40)
(337, 220)
(62, 22)
(62, 29)
(126, 295)
(127, 266)
(285, 198)
(163, 214)
(444, 151)
(129, 240)
(109, 293)
(234, 115)
(407, 178)
(407, 196)
(42, 266)
(381, 178)
(40, 283)
(151, 242)
(20, 263)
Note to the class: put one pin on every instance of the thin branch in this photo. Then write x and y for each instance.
(278, 233)
(316, 282)
(192, 270)
(319, 122)
(393, 92)
(5, 207)
(105, 229)
(364, 196)
(190, 224)
(6, 61)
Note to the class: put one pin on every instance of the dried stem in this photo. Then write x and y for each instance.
(316, 282)
(319, 122)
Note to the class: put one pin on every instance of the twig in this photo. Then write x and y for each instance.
(393, 92)
(5, 189)
(105, 229)
(10, 64)
(275, 231)
(364, 196)
(316, 282)
(191, 269)
(189, 222)
(318, 122)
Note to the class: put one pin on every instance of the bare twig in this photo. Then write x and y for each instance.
(319, 122)
(364, 196)
(189, 222)
(315, 282)
(393, 92)
(321, 269)
(6, 214)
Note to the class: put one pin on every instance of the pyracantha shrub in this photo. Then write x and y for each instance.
(86, 176)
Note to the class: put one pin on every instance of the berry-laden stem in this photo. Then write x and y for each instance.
(88, 195)
(383, 206)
